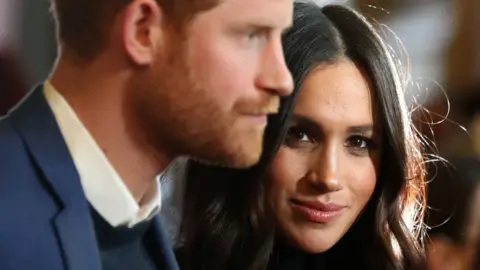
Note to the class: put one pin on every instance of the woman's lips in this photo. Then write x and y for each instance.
(318, 212)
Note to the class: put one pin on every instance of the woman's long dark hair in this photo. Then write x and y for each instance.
(227, 224)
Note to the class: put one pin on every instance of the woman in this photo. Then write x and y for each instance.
(340, 182)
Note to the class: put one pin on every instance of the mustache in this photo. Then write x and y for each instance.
(270, 105)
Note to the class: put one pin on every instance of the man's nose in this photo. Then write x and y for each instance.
(275, 76)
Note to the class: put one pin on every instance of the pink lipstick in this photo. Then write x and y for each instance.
(318, 212)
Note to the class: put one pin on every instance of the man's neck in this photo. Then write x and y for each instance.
(98, 99)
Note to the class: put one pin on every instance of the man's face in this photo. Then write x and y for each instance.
(209, 93)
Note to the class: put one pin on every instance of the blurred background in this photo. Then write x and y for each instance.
(436, 41)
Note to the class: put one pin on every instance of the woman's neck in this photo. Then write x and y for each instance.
(288, 257)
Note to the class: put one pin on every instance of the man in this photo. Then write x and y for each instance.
(138, 83)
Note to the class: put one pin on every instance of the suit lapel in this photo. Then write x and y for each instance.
(36, 123)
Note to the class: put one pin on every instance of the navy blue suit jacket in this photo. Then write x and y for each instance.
(45, 220)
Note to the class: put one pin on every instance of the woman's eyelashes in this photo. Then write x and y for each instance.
(299, 136)
(361, 145)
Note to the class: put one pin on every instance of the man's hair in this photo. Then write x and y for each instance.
(82, 25)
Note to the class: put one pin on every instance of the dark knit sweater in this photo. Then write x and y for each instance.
(122, 248)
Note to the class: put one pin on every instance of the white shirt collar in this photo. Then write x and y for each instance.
(102, 185)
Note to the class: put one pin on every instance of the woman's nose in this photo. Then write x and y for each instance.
(324, 173)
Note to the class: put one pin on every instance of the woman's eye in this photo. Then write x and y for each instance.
(360, 144)
(297, 135)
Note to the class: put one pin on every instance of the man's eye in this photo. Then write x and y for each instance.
(255, 35)
(252, 34)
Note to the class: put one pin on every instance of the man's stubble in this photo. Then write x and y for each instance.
(179, 116)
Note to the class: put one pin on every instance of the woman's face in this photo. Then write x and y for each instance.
(326, 171)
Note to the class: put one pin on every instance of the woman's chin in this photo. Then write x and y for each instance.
(315, 244)
(311, 239)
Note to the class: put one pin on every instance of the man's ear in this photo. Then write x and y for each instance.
(142, 31)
